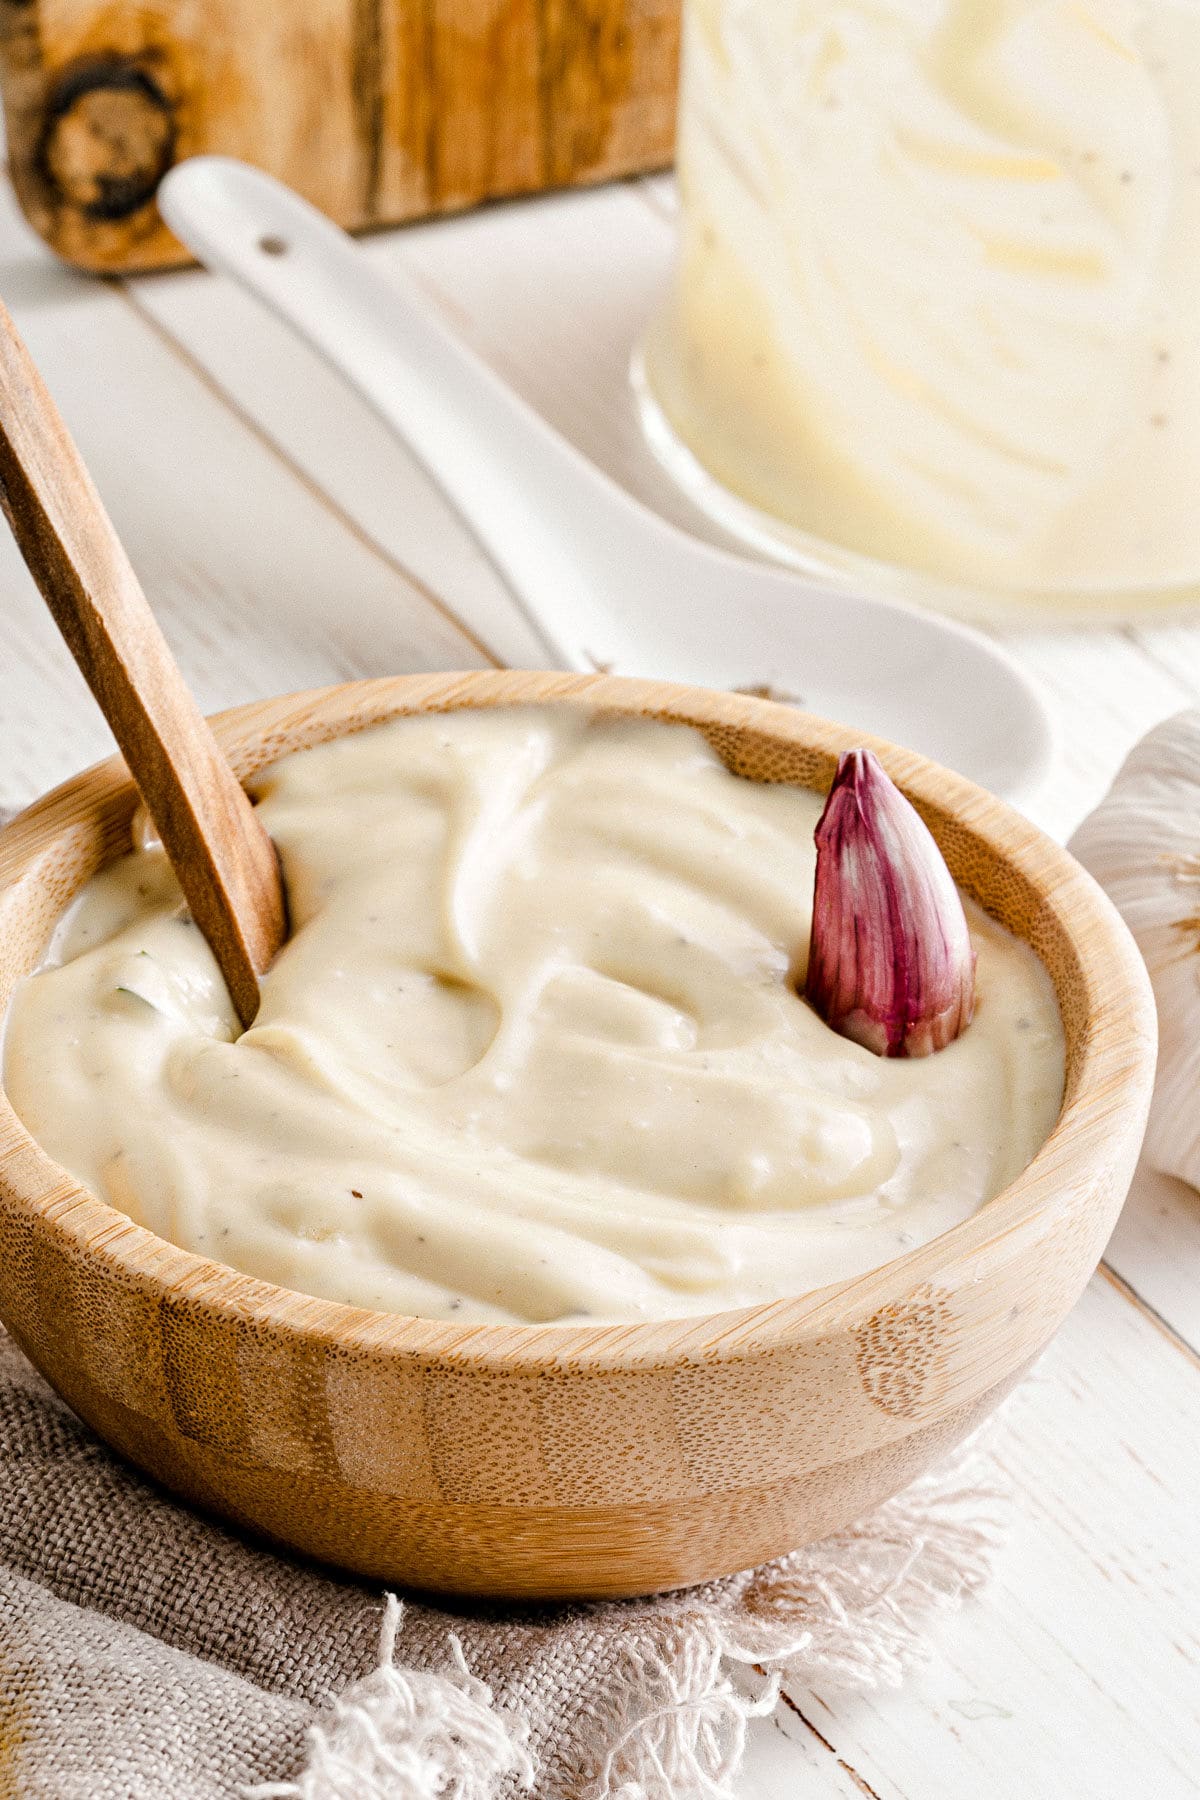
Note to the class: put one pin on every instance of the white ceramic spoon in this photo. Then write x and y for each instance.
(605, 581)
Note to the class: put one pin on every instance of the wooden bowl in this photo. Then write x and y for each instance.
(573, 1460)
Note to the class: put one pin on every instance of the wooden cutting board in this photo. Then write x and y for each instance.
(377, 110)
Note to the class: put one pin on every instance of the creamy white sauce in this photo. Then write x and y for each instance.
(534, 1048)
(939, 277)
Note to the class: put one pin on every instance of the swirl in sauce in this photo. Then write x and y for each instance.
(534, 1048)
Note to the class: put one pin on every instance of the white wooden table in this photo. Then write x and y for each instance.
(285, 540)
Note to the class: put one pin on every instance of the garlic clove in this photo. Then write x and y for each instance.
(890, 959)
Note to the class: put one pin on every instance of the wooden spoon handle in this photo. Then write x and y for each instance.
(222, 856)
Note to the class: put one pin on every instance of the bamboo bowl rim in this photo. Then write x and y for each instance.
(1109, 1072)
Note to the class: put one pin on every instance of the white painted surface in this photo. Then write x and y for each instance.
(285, 538)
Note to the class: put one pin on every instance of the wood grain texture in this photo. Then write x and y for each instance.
(223, 859)
(376, 110)
(563, 1460)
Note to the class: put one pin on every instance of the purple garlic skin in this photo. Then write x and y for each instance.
(890, 960)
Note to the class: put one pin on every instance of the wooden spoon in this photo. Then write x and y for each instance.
(224, 860)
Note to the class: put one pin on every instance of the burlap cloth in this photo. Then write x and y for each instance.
(147, 1652)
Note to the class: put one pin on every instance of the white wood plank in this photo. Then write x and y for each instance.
(1076, 1673)
(659, 192)
(1156, 1251)
(1105, 693)
(786, 1759)
(258, 585)
(321, 427)
(1174, 646)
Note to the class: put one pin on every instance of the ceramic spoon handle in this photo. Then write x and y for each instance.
(547, 518)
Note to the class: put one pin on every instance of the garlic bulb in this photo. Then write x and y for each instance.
(1142, 844)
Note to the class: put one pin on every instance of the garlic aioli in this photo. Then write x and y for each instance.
(938, 282)
(534, 1049)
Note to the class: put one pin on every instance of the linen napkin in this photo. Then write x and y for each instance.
(146, 1651)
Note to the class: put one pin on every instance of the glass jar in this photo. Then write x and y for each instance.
(935, 317)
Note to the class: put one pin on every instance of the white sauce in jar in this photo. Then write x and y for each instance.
(534, 1048)
(939, 272)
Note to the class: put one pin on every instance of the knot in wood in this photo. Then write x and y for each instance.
(109, 138)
